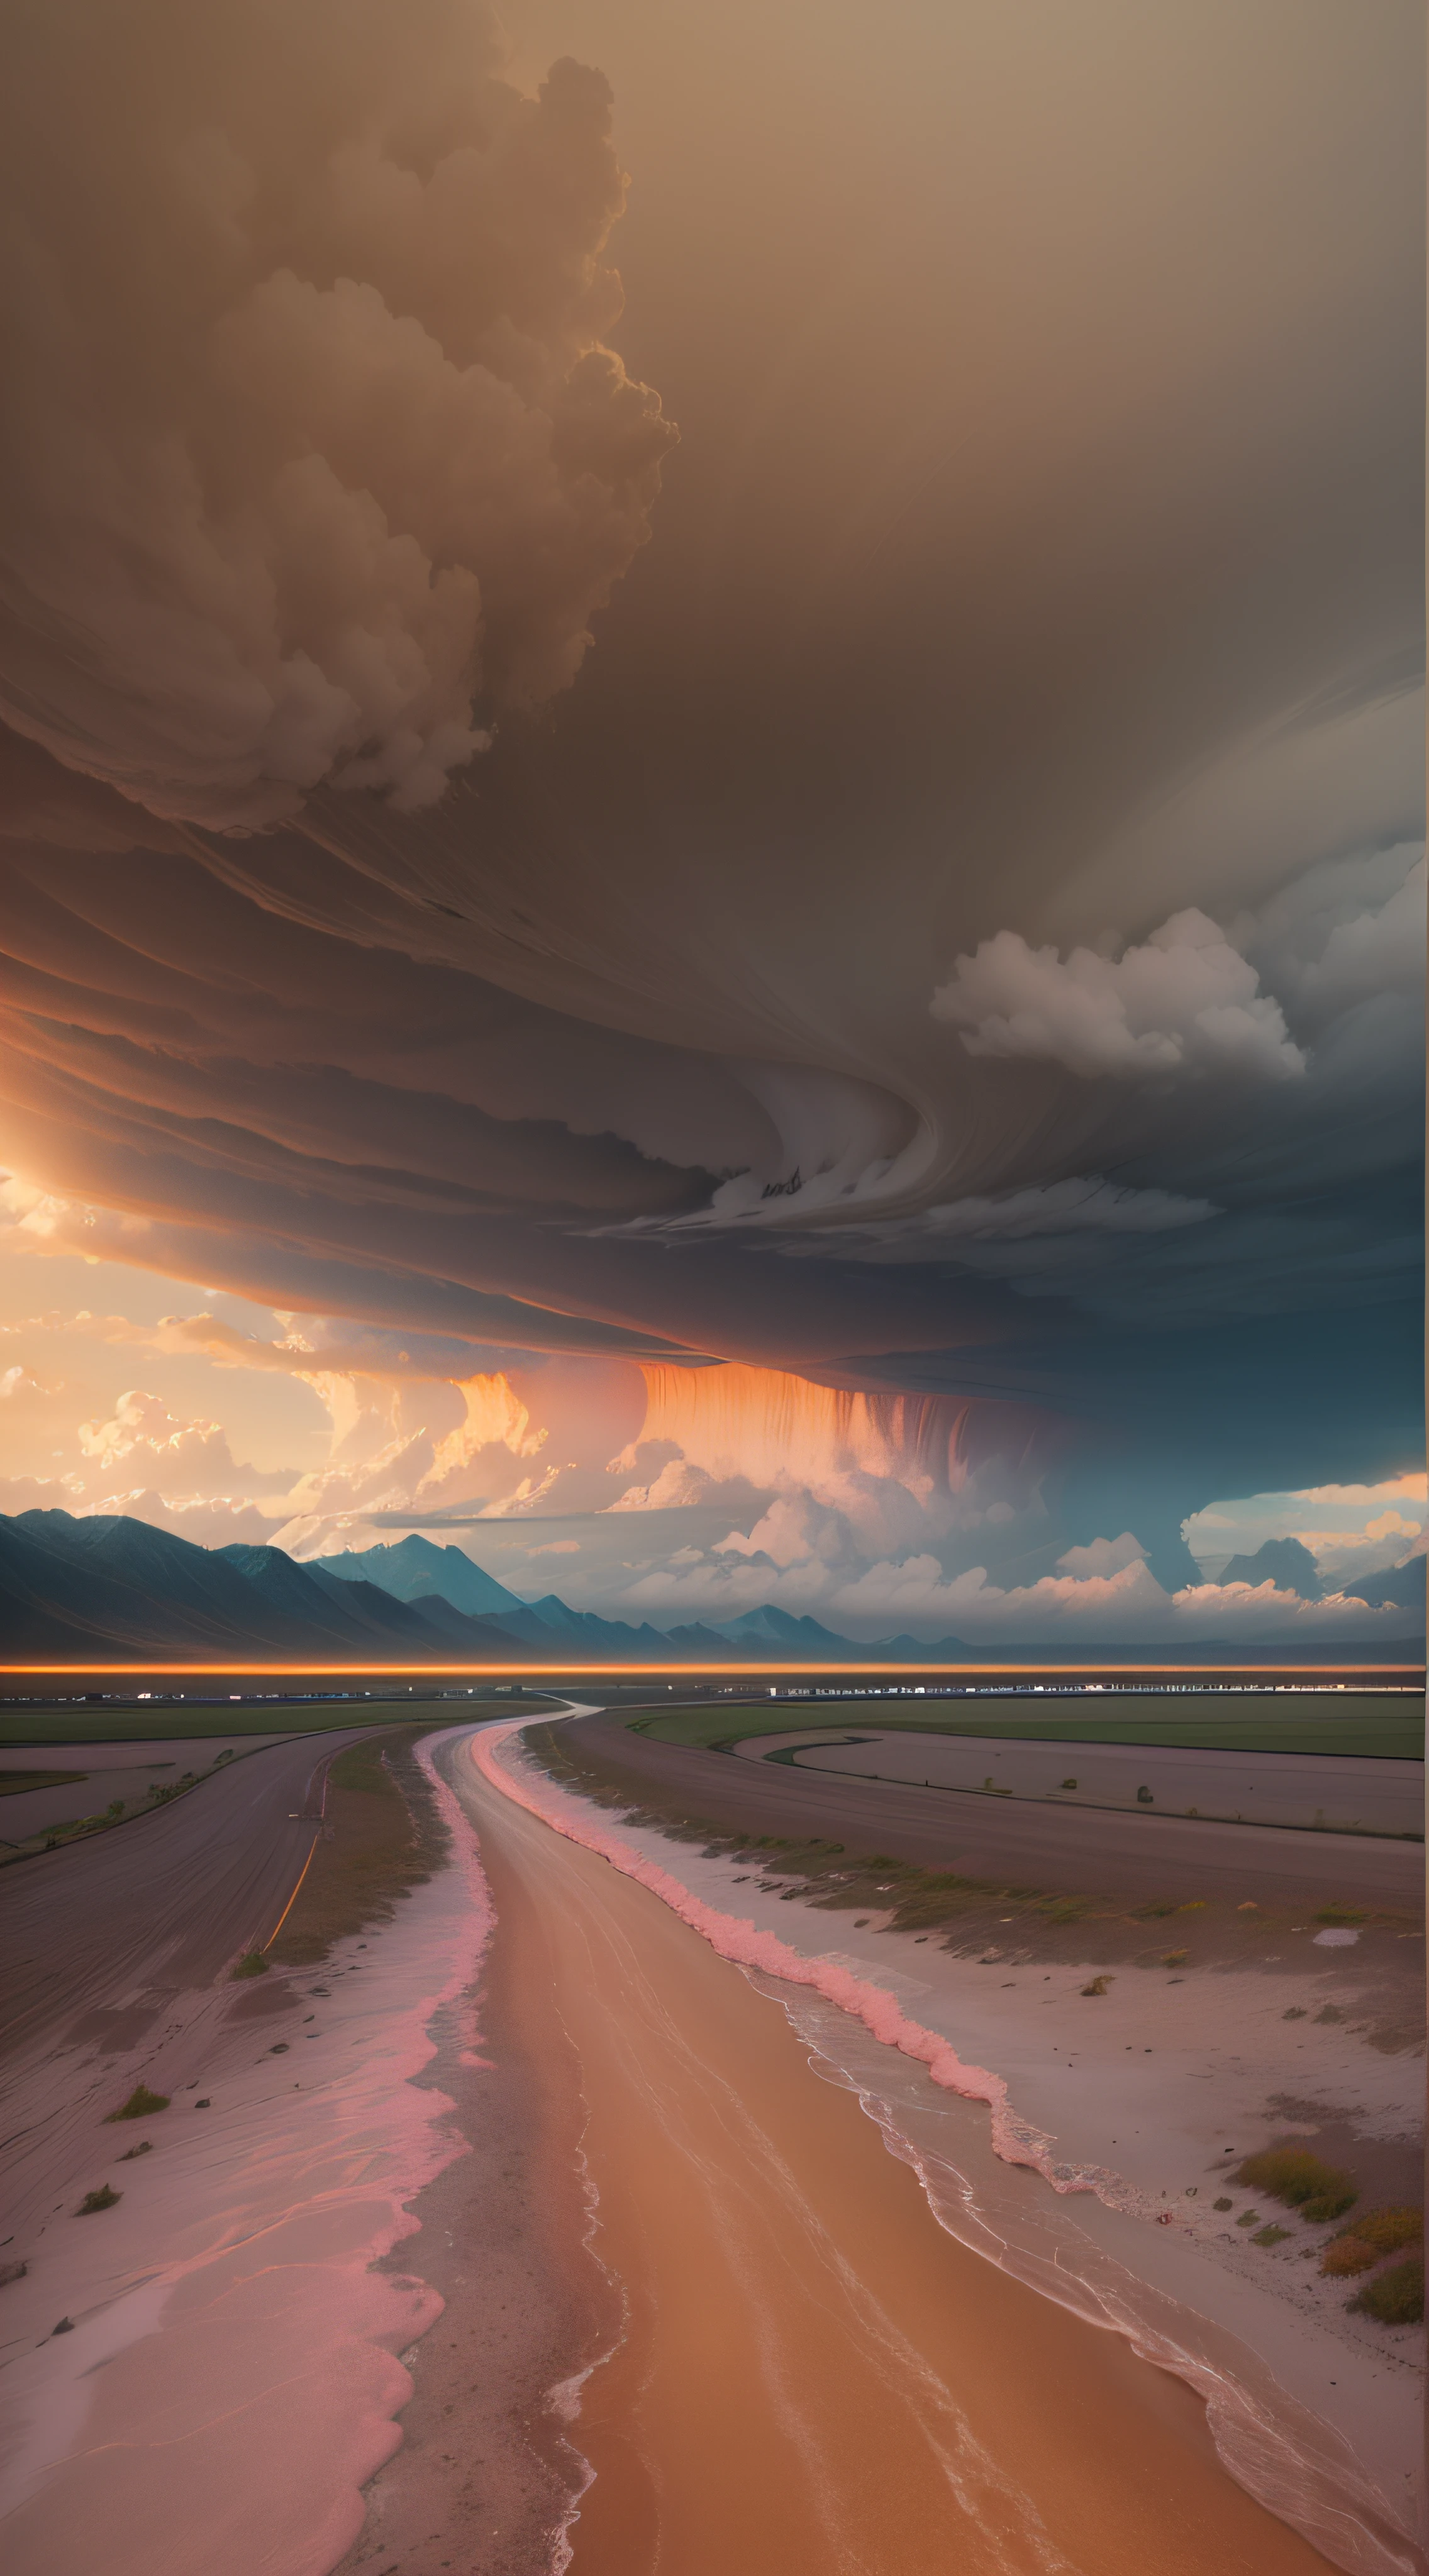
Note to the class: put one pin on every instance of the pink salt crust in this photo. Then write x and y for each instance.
(231, 2380)
(1014, 2139)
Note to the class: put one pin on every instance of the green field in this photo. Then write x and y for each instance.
(1365, 1722)
(78, 1723)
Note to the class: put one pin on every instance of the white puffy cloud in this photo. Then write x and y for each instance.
(1350, 1530)
(1184, 1003)
(1102, 1556)
(143, 1436)
(1127, 1607)
(313, 441)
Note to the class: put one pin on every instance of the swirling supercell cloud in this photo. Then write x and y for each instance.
(825, 1014)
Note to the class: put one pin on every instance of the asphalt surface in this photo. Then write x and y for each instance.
(1034, 1845)
(97, 1938)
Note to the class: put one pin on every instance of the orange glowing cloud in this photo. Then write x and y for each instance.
(774, 1429)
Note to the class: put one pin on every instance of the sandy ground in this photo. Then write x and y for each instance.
(703, 2199)
(229, 2375)
(1129, 2104)
(1332, 1792)
(813, 2374)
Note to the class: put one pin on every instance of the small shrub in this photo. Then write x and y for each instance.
(1304, 2181)
(140, 2105)
(1387, 2230)
(1347, 2254)
(252, 1964)
(1296, 2012)
(1223, 2204)
(1331, 2203)
(1098, 1986)
(1336, 1912)
(104, 2198)
(144, 2148)
(1395, 2297)
(1271, 2235)
(1069, 1784)
(1175, 1958)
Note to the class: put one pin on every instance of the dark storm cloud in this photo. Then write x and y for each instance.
(960, 932)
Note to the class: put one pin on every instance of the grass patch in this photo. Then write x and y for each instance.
(76, 1722)
(104, 2198)
(1174, 1958)
(1354, 1722)
(1336, 1912)
(1098, 1986)
(386, 1838)
(252, 1964)
(140, 2105)
(1395, 2297)
(1271, 2235)
(1303, 2181)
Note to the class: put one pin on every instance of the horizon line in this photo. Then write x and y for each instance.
(684, 1669)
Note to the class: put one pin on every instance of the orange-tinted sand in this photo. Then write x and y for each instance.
(814, 2376)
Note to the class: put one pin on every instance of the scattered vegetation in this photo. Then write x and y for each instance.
(1383, 2231)
(1336, 1912)
(1097, 1986)
(1174, 1958)
(104, 2198)
(140, 2105)
(1271, 2235)
(252, 1964)
(1303, 2181)
(1394, 2297)
(144, 2148)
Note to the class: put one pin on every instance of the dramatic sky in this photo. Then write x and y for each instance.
(718, 874)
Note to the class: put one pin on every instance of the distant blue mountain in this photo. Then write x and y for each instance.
(1403, 1585)
(71, 1587)
(76, 1589)
(413, 1570)
(1285, 1562)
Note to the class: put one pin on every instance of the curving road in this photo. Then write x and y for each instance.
(98, 1936)
(1043, 1846)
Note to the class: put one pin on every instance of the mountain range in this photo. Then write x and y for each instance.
(110, 1586)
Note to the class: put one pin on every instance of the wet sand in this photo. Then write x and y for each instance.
(813, 2375)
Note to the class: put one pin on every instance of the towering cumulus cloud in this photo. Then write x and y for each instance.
(923, 957)
(314, 456)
